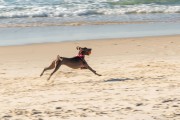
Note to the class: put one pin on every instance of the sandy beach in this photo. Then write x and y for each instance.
(140, 81)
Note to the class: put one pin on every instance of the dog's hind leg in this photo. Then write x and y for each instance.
(49, 68)
(52, 66)
(58, 64)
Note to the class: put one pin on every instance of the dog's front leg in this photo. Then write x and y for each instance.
(88, 67)
(93, 71)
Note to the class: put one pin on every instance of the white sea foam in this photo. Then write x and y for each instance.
(64, 8)
(48, 11)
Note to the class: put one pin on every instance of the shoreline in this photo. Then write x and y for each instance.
(89, 40)
(20, 36)
(90, 20)
(77, 23)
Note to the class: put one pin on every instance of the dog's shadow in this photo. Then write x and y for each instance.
(117, 79)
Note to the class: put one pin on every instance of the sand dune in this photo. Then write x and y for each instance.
(140, 81)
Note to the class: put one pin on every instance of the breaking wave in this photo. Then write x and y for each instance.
(68, 8)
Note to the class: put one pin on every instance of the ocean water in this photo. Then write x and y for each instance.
(48, 34)
(57, 12)
(38, 21)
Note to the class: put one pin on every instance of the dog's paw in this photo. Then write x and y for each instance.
(98, 74)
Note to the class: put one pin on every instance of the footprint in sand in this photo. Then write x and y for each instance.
(6, 117)
(35, 112)
(139, 104)
(19, 112)
(168, 100)
(2, 73)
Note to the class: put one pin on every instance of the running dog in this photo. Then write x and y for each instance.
(74, 62)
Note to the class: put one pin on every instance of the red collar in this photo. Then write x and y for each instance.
(81, 56)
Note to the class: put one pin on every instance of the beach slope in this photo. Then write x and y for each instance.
(140, 81)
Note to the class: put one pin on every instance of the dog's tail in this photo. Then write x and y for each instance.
(59, 58)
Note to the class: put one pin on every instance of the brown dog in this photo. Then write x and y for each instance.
(74, 62)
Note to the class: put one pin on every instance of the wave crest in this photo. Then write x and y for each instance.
(137, 2)
(64, 8)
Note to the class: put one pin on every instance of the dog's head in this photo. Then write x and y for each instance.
(84, 50)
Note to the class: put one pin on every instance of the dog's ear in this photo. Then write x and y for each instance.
(78, 48)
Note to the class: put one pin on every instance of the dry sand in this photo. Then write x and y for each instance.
(141, 81)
